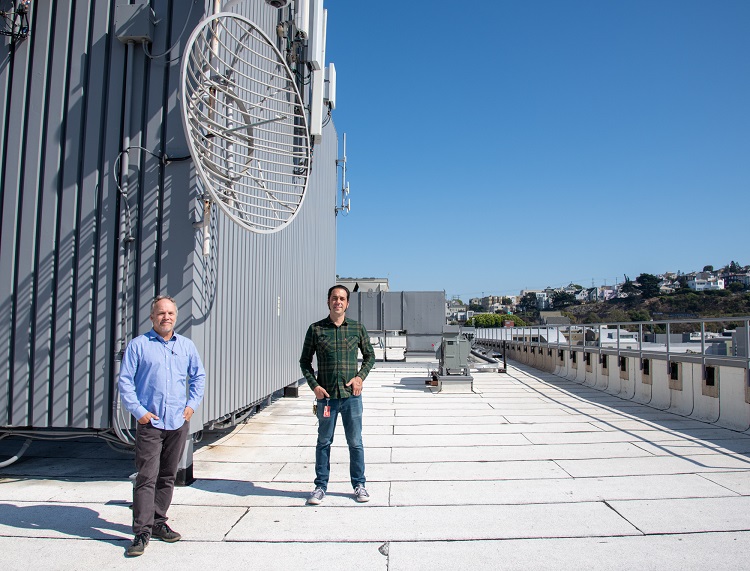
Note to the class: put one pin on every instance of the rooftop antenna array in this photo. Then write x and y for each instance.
(346, 202)
(245, 123)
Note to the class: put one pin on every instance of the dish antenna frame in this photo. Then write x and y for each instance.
(245, 122)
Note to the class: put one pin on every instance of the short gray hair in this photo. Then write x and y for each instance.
(158, 298)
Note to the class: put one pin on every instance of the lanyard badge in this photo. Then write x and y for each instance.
(327, 409)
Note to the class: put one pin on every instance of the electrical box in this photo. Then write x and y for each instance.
(453, 355)
(134, 22)
(455, 350)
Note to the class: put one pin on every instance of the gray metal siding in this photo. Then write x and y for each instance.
(264, 291)
(43, 81)
(62, 107)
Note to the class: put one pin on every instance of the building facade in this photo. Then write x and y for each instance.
(705, 281)
(86, 244)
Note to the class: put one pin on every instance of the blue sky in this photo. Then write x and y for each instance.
(495, 146)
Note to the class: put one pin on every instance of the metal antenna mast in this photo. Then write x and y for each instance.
(346, 203)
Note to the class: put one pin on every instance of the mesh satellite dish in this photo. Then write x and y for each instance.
(245, 123)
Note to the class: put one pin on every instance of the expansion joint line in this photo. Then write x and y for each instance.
(239, 519)
(610, 506)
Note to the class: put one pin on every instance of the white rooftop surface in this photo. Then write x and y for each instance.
(528, 472)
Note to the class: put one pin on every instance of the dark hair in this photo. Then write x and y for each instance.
(330, 291)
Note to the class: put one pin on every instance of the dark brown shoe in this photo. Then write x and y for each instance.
(136, 548)
(165, 533)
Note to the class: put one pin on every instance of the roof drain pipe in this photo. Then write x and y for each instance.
(20, 453)
(484, 357)
(124, 243)
(490, 364)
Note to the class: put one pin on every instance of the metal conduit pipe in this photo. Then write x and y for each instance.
(20, 453)
(121, 328)
(52, 435)
(485, 358)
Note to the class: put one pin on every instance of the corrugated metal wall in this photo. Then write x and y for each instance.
(262, 295)
(62, 97)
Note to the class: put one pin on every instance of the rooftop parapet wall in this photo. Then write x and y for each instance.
(703, 386)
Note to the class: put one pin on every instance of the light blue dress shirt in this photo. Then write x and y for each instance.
(161, 377)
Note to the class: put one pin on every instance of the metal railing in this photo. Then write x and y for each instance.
(642, 339)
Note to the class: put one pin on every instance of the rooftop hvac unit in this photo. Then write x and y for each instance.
(454, 351)
(453, 355)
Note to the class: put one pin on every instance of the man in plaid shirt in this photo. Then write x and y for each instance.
(338, 389)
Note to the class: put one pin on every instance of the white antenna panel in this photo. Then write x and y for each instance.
(325, 39)
(330, 91)
(302, 17)
(245, 123)
(317, 45)
(316, 105)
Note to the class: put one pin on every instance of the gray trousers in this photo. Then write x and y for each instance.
(157, 455)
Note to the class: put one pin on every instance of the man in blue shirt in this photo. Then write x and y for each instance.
(161, 384)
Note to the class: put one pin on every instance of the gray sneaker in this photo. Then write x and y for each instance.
(361, 494)
(316, 497)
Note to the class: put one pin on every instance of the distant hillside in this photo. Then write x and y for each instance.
(680, 305)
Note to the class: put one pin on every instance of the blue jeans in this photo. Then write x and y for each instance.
(351, 417)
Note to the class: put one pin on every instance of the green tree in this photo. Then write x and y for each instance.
(649, 285)
(484, 320)
(515, 319)
(639, 315)
(734, 267)
(561, 299)
(708, 268)
(736, 287)
(618, 315)
(628, 286)
(570, 316)
(528, 302)
(475, 307)
(494, 320)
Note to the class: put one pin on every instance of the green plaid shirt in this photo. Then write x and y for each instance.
(336, 349)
